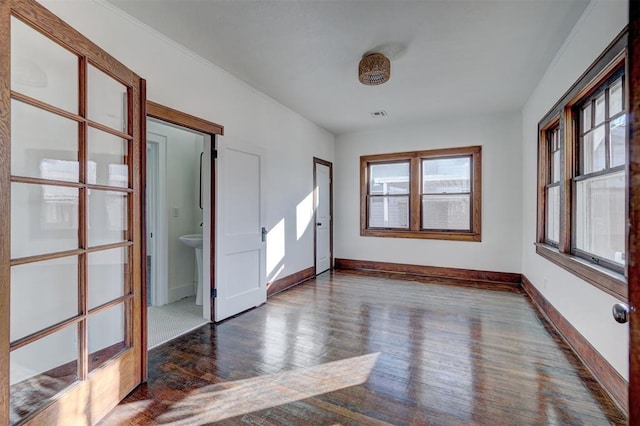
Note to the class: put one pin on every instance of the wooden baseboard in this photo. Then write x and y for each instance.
(611, 381)
(289, 281)
(429, 271)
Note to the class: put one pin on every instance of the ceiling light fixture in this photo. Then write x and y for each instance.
(374, 69)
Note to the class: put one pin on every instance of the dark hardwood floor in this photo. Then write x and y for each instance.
(356, 348)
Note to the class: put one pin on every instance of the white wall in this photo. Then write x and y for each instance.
(181, 80)
(500, 138)
(587, 308)
(183, 212)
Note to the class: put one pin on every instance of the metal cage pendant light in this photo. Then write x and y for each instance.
(374, 69)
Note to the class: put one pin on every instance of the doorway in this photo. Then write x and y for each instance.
(176, 230)
(323, 212)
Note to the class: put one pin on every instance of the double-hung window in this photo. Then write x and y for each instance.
(422, 194)
(582, 176)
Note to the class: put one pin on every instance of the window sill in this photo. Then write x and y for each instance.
(428, 235)
(608, 281)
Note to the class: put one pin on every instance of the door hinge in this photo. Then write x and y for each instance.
(214, 293)
(214, 154)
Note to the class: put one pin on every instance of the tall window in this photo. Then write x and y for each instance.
(582, 181)
(422, 194)
(599, 214)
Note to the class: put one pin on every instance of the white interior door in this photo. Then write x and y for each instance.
(323, 217)
(240, 261)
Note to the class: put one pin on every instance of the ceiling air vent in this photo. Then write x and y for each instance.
(378, 114)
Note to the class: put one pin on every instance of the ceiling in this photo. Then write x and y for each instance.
(448, 58)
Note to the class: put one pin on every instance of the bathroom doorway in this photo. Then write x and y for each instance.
(178, 184)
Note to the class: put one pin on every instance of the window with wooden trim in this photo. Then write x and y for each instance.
(422, 194)
(582, 178)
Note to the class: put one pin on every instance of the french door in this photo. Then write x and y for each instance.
(70, 209)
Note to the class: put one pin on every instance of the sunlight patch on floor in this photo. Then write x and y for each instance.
(226, 400)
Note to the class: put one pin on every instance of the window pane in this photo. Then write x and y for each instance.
(553, 214)
(600, 216)
(617, 140)
(107, 217)
(599, 111)
(106, 336)
(586, 118)
(108, 273)
(57, 295)
(389, 212)
(43, 145)
(615, 98)
(446, 212)
(107, 102)
(40, 370)
(390, 178)
(593, 151)
(446, 175)
(555, 167)
(42, 69)
(44, 219)
(107, 159)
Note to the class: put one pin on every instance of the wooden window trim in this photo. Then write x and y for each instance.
(415, 158)
(563, 114)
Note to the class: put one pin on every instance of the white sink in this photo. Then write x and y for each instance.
(192, 240)
(195, 241)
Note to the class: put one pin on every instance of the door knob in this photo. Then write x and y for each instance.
(621, 312)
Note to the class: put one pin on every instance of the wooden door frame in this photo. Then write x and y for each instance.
(329, 164)
(179, 118)
(634, 211)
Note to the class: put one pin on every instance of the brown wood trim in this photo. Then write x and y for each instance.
(107, 129)
(427, 235)
(23, 341)
(144, 359)
(46, 107)
(289, 281)
(633, 78)
(611, 381)
(5, 206)
(430, 271)
(43, 257)
(315, 219)
(115, 302)
(180, 118)
(604, 279)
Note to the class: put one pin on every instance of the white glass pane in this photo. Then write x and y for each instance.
(446, 212)
(44, 219)
(553, 214)
(41, 370)
(617, 140)
(599, 111)
(43, 145)
(390, 178)
(107, 155)
(389, 212)
(446, 175)
(107, 217)
(38, 303)
(108, 273)
(615, 98)
(555, 166)
(106, 335)
(600, 216)
(593, 151)
(107, 103)
(43, 69)
(586, 118)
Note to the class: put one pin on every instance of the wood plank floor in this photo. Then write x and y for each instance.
(356, 348)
